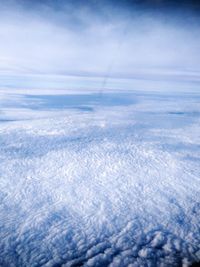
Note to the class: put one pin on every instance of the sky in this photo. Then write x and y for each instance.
(120, 39)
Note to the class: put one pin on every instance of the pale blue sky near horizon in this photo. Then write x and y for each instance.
(69, 45)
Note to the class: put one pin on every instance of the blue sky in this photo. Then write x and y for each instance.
(121, 39)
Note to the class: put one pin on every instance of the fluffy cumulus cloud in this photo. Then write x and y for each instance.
(106, 177)
(113, 184)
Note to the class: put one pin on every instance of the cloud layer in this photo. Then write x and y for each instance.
(108, 186)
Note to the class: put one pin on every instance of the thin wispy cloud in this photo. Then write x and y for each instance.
(96, 40)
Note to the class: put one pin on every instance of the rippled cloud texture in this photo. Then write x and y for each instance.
(99, 181)
(103, 177)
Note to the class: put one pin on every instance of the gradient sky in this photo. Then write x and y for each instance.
(122, 39)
